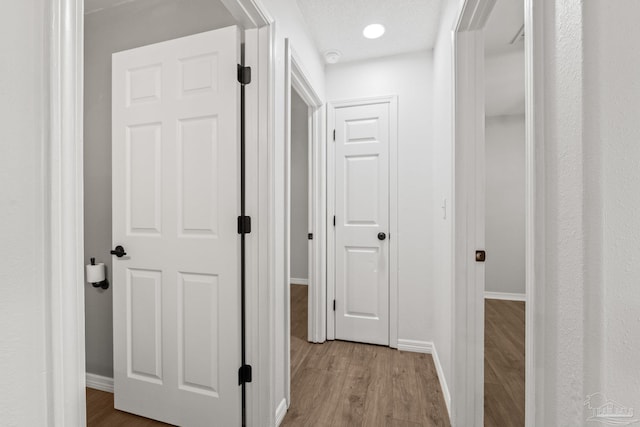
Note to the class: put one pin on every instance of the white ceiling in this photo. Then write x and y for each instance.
(503, 25)
(411, 25)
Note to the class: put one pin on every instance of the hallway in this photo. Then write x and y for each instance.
(348, 384)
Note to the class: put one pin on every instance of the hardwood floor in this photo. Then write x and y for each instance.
(349, 384)
(100, 413)
(504, 363)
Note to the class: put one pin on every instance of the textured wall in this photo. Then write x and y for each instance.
(23, 279)
(612, 108)
(112, 30)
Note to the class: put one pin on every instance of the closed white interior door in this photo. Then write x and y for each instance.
(362, 223)
(176, 294)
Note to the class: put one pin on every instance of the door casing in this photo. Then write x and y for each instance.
(394, 236)
(296, 78)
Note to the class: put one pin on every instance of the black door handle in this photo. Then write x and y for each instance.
(118, 251)
(382, 236)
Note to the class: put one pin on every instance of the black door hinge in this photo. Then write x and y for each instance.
(244, 75)
(244, 374)
(244, 224)
(334, 134)
(334, 220)
(334, 305)
(310, 236)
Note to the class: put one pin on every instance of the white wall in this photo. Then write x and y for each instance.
(504, 82)
(290, 24)
(23, 275)
(589, 260)
(410, 76)
(299, 188)
(505, 197)
(442, 165)
(112, 30)
(613, 131)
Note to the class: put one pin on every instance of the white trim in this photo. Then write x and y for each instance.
(468, 215)
(249, 13)
(260, 285)
(443, 381)
(64, 252)
(99, 382)
(415, 346)
(317, 301)
(281, 411)
(287, 220)
(394, 235)
(534, 223)
(506, 296)
(429, 347)
(297, 79)
(298, 281)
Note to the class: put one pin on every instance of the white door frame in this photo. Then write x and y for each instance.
(64, 251)
(296, 78)
(394, 235)
(468, 304)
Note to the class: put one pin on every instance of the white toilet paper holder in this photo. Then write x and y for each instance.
(104, 284)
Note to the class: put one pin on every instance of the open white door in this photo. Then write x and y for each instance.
(176, 292)
(362, 135)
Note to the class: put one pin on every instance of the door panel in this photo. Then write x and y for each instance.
(362, 211)
(176, 193)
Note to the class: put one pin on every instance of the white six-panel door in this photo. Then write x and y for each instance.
(175, 202)
(362, 213)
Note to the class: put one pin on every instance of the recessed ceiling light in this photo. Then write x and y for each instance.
(373, 31)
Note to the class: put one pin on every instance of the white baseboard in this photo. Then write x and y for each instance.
(99, 382)
(442, 379)
(505, 296)
(281, 411)
(415, 346)
(295, 281)
(429, 348)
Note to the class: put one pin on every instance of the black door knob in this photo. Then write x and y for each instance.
(382, 236)
(118, 251)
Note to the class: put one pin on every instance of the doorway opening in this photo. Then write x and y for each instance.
(305, 216)
(495, 138)
(190, 78)
(505, 290)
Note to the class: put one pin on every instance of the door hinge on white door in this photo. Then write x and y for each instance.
(244, 374)
(334, 134)
(334, 305)
(244, 224)
(244, 75)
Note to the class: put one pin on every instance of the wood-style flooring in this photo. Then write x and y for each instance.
(349, 384)
(504, 363)
(100, 413)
